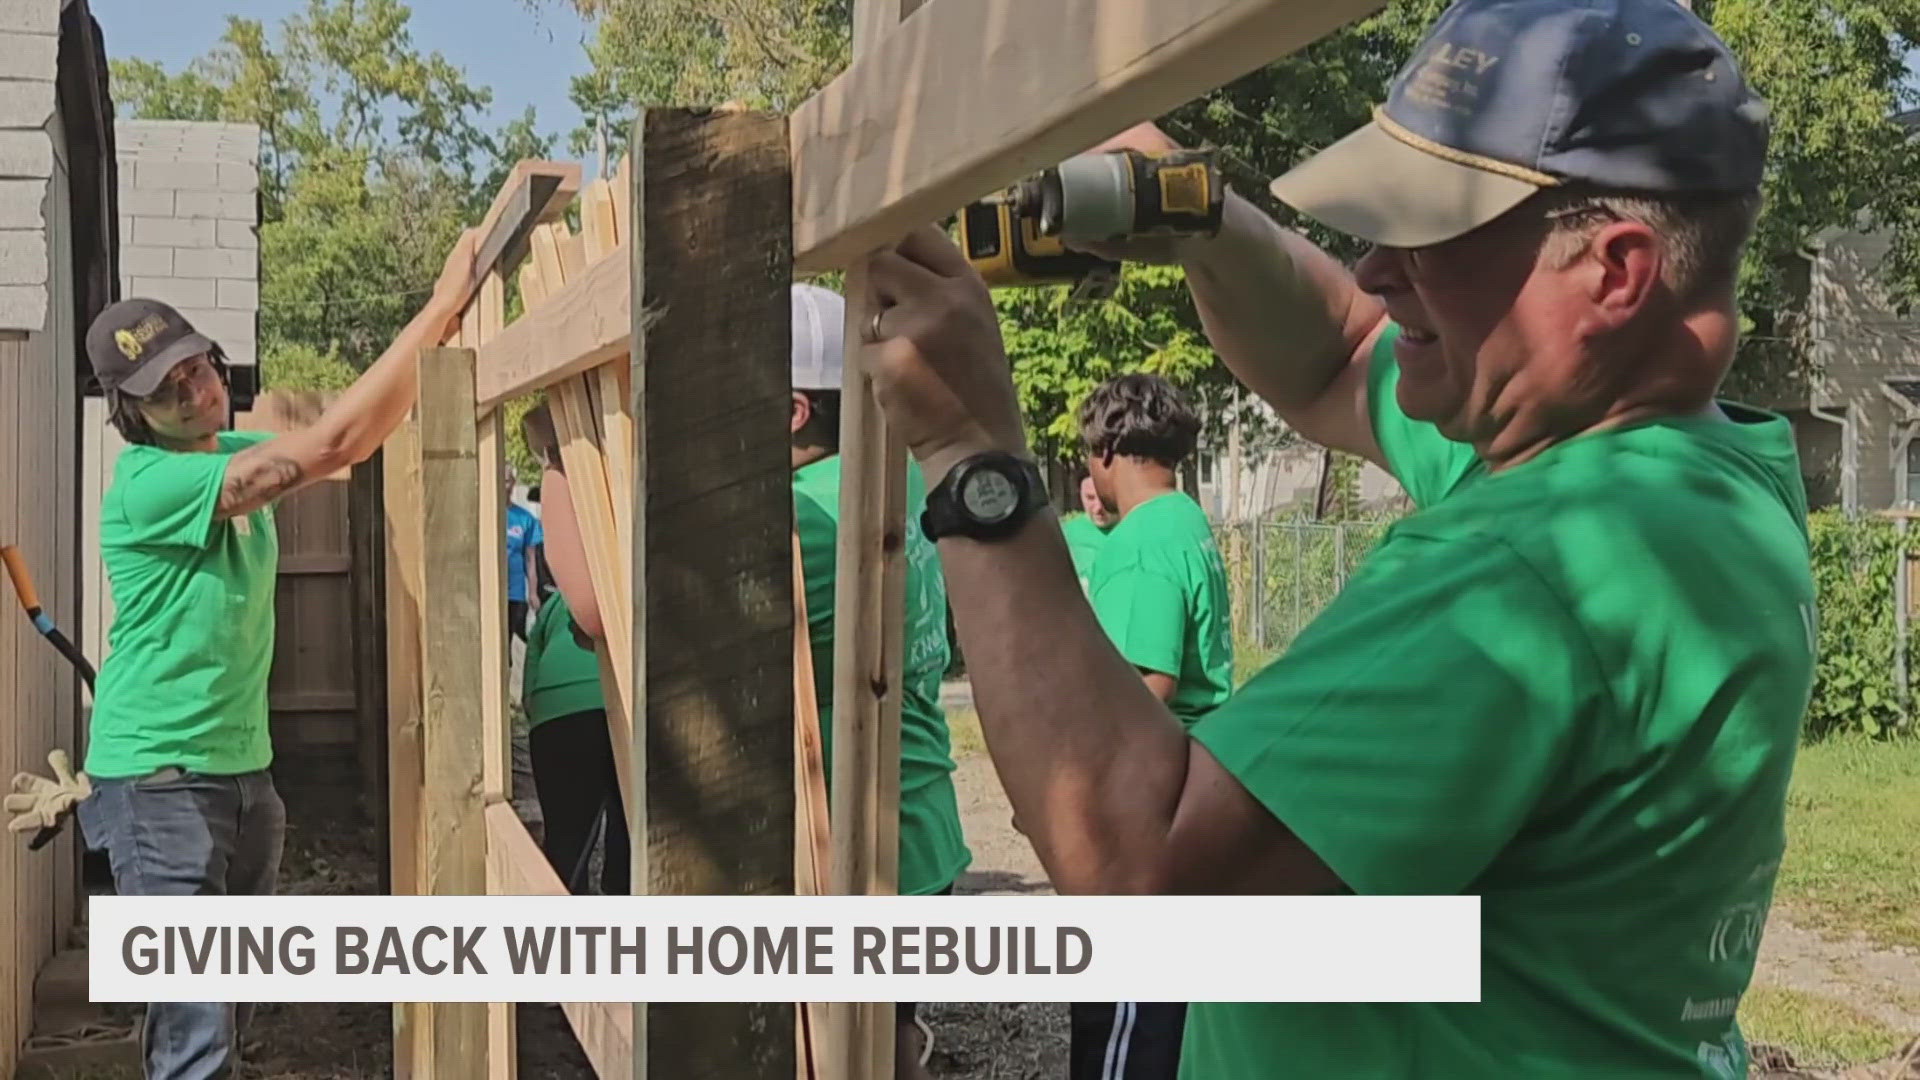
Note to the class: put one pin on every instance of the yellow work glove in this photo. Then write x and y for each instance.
(40, 803)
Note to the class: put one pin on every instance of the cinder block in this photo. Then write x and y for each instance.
(26, 153)
(146, 202)
(238, 177)
(23, 307)
(241, 353)
(23, 257)
(21, 203)
(239, 294)
(63, 979)
(180, 175)
(173, 232)
(29, 56)
(233, 205)
(30, 16)
(181, 292)
(24, 103)
(229, 328)
(239, 234)
(146, 261)
(215, 262)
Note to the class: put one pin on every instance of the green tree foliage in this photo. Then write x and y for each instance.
(373, 157)
(1854, 690)
(1832, 71)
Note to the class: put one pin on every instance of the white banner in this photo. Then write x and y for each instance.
(832, 948)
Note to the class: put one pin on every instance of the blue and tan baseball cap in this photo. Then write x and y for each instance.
(1505, 98)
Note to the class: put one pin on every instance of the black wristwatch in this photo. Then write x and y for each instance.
(984, 497)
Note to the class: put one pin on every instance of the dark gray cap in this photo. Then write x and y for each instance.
(1506, 97)
(134, 343)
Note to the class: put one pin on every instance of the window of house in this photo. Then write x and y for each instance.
(1912, 494)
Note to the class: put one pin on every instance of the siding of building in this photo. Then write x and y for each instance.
(29, 58)
(1859, 343)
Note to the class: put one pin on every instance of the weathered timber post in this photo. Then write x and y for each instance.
(712, 552)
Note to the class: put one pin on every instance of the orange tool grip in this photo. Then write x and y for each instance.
(22, 580)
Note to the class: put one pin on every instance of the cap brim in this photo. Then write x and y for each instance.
(146, 378)
(1382, 190)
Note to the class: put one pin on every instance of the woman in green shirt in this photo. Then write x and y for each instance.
(179, 745)
(573, 766)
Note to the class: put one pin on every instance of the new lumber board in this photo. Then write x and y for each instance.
(579, 326)
(517, 867)
(869, 613)
(456, 858)
(966, 97)
(406, 768)
(712, 563)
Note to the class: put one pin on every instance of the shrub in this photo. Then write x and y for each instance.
(1854, 687)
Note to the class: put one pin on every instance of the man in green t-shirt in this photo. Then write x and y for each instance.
(933, 851)
(1571, 683)
(1159, 588)
(1159, 585)
(179, 746)
(1086, 530)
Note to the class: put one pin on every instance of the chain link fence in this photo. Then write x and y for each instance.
(1281, 573)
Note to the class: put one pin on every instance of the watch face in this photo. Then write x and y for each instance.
(989, 496)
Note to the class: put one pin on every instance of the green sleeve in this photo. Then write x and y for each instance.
(1144, 612)
(170, 499)
(1409, 733)
(1425, 462)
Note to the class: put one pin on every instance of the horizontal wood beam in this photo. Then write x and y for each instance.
(517, 867)
(578, 327)
(970, 95)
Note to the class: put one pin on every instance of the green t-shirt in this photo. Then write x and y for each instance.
(560, 677)
(1159, 587)
(1573, 688)
(932, 850)
(1084, 541)
(184, 681)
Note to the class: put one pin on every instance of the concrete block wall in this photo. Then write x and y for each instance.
(189, 221)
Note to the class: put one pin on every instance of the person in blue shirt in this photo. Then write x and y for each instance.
(524, 536)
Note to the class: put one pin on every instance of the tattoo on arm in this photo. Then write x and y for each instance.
(256, 477)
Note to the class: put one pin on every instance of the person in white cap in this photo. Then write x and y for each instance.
(933, 851)
(1571, 684)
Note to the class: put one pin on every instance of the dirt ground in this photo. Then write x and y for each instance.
(353, 1041)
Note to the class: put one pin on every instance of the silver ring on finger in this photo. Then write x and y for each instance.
(873, 325)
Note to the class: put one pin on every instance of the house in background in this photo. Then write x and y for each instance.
(1857, 422)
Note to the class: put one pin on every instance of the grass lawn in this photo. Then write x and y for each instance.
(1818, 1030)
(1853, 841)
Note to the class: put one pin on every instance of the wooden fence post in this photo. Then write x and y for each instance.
(456, 853)
(712, 551)
(406, 778)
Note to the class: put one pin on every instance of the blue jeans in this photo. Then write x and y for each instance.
(178, 833)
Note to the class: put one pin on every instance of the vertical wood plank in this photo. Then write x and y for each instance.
(456, 826)
(365, 526)
(406, 770)
(496, 744)
(712, 563)
(869, 612)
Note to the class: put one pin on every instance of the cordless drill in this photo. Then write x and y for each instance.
(1019, 236)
